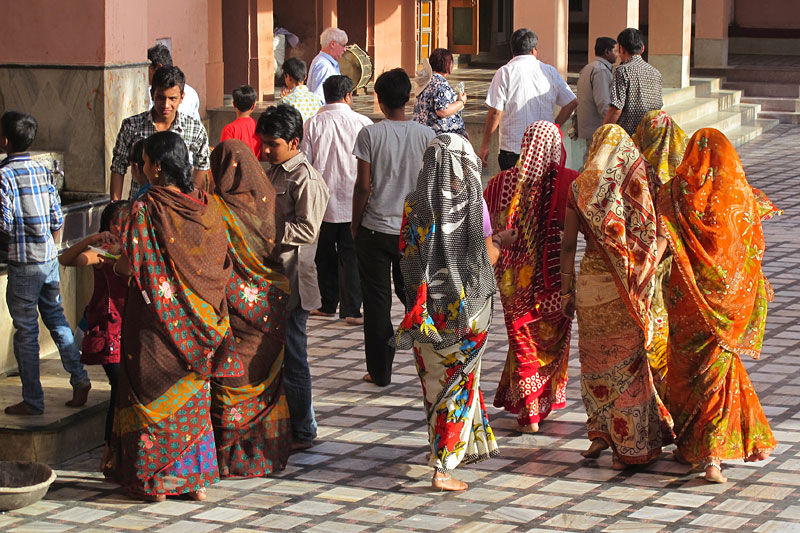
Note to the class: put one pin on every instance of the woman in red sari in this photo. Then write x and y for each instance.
(531, 198)
(175, 333)
(717, 304)
(249, 413)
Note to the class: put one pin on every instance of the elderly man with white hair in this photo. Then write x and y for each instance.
(326, 63)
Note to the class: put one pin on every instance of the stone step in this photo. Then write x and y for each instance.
(726, 121)
(690, 110)
(765, 74)
(784, 117)
(791, 105)
(61, 432)
(760, 88)
(749, 132)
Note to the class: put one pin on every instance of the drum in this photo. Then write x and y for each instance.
(356, 65)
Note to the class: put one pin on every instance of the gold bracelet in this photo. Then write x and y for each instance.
(114, 269)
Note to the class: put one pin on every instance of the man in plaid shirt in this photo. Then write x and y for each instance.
(167, 92)
(30, 212)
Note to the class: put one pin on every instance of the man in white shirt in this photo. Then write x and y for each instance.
(523, 91)
(326, 62)
(594, 89)
(159, 56)
(328, 140)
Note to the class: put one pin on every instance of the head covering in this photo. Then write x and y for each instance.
(662, 143)
(444, 261)
(525, 197)
(712, 220)
(616, 207)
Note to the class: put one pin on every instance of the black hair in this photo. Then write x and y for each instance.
(441, 60)
(282, 122)
(167, 150)
(136, 152)
(603, 45)
(244, 97)
(110, 211)
(336, 88)
(159, 55)
(295, 68)
(167, 78)
(393, 88)
(523, 41)
(631, 40)
(20, 129)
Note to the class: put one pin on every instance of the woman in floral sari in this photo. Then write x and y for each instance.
(610, 203)
(249, 413)
(448, 276)
(531, 197)
(662, 143)
(175, 332)
(717, 304)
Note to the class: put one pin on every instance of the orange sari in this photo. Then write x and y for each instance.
(717, 302)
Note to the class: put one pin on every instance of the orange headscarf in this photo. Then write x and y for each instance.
(712, 219)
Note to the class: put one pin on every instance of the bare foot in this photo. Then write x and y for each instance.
(714, 473)
(597, 446)
(679, 458)
(530, 428)
(106, 458)
(760, 456)
(367, 378)
(616, 464)
(197, 495)
(147, 497)
(447, 482)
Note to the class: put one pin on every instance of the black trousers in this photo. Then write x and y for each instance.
(506, 159)
(337, 270)
(378, 264)
(112, 372)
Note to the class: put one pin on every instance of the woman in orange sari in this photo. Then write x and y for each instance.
(531, 198)
(610, 203)
(662, 144)
(717, 305)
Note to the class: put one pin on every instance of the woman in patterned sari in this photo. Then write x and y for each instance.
(717, 304)
(175, 332)
(249, 413)
(610, 204)
(449, 284)
(662, 143)
(531, 197)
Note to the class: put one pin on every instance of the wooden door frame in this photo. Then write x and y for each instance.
(461, 48)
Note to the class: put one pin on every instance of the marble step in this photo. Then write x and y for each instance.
(744, 134)
(791, 105)
(763, 74)
(763, 88)
(726, 121)
(784, 117)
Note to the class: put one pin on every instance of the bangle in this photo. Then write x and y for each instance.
(567, 273)
(114, 269)
(568, 293)
(497, 240)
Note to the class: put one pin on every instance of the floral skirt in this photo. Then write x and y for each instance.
(458, 428)
(621, 402)
(657, 354)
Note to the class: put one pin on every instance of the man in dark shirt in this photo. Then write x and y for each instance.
(637, 84)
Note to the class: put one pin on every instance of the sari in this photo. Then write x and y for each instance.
(449, 287)
(662, 144)
(717, 302)
(175, 337)
(614, 289)
(249, 412)
(531, 197)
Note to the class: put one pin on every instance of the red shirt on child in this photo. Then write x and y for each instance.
(243, 129)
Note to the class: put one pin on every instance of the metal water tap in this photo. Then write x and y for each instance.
(58, 175)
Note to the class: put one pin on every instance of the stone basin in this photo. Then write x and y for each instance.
(23, 484)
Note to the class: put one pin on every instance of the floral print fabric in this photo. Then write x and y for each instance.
(436, 96)
(717, 301)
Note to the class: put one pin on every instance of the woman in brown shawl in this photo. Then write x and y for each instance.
(175, 332)
(249, 413)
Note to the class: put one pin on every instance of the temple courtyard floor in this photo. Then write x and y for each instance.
(368, 471)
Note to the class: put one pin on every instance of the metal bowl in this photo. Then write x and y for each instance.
(23, 484)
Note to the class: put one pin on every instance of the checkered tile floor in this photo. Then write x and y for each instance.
(368, 473)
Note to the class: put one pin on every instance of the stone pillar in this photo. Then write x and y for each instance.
(550, 20)
(711, 33)
(670, 40)
(329, 15)
(215, 72)
(262, 60)
(609, 17)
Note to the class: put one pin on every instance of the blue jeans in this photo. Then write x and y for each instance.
(297, 378)
(29, 287)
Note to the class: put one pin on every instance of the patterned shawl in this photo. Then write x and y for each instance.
(443, 256)
(662, 143)
(177, 248)
(613, 198)
(258, 289)
(527, 197)
(712, 219)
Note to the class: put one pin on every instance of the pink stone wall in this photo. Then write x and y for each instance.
(395, 35)
(767, 14)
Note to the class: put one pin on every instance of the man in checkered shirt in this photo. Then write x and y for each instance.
(637, 84)
(30, 212)
(167, 92)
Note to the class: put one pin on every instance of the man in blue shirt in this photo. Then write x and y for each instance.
(326, 63)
